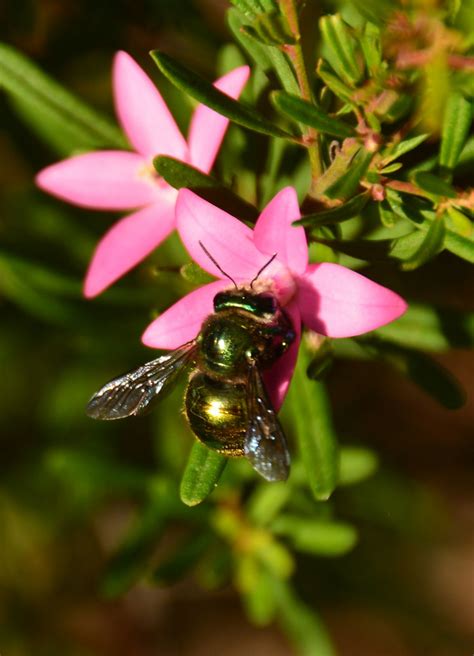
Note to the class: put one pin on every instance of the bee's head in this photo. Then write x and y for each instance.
(262, 305)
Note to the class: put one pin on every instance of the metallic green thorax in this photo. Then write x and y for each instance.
(246, 329)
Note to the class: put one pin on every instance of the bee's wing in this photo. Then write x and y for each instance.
(265, 443)
(132, 393)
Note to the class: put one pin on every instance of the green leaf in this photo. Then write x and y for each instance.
(459, 245)
(391, 168)
(456, 123)
(201, 475)
(248, 7)
(356, 464)
(271, 28)
(304, 112)
(256, 50)
(340, 48)
(414, 210)
(428, 328)
(371, 48)
(387, 217)
(349, 182)
(315, 536)
(421, 369)
(180, 175)
(266, 502)
(331, 80)
(403, 147)
(434, 185)
(431, 245)
(53, 110)
(459, 222)
(266, 57)
(205, 92)
(311, 420)
(374, 250)
(336, 214)
(258, 594)
(303, 627)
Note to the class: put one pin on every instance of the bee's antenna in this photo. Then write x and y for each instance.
(217, 264)
(263, 269)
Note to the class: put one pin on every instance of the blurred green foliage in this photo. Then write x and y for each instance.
(89, 507)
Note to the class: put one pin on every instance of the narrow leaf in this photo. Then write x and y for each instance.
(205, 92)
(370, 44)
(349, 182)
(331, 80)
(413, 209)
(312, 422)
(356, 464)
(394, 152)
(375, 250)
(340, 48)
(201, 475)
(431, 245)
(315, 536)
(50, 108)
(434, 185)
(180, 175)
(456, 123)
(256, 50)
(336, 214)
(272, 29)
(304, 112)
(303, 627)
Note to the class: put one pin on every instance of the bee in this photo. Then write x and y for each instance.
(226, 403)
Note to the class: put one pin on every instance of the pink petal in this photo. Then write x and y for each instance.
(143, 113)
(274, 233)
(338, 302)
(183, 320)
(128, 242)
(277, 378)
(227, 239)
(207, 127)
(107, 179)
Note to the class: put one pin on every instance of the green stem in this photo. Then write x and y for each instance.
(295, 51)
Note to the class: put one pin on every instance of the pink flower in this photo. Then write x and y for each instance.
(328, 298)
(123, 180)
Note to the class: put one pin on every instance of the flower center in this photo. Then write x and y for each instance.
(148, 173)
(277, 280)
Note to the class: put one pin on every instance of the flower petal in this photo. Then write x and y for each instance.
(338, 302)
(128, 242)
(143, 113)
(183, 320)
(227, 239)
(107, 179)
(207, 127)
(274, 233)
(277, 378)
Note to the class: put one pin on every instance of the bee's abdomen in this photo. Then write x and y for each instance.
(217, 413)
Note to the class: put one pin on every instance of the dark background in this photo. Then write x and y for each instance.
(408, 587)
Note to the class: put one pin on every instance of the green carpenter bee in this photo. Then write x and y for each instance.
(226, 404)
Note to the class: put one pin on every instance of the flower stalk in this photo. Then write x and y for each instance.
(295, 52)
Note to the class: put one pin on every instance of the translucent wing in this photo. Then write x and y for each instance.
(265, 443)
(132, 393)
